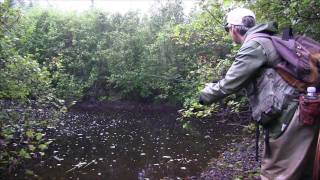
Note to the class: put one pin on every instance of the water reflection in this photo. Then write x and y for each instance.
(129, 145)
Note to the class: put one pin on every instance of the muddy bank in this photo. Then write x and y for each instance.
(123, 106)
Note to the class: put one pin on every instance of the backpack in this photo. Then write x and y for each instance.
(300, 59)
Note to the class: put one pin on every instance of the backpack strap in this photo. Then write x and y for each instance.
(265, 41)
(299, 85)
(287, 33)
(257, 140)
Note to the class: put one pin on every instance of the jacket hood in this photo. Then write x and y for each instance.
(269, 28)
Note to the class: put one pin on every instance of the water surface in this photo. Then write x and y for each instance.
(125, 145)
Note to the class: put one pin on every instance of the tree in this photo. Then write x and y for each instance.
(303, 16)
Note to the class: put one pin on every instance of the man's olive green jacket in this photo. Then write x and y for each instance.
(252, 70)
(249, 60)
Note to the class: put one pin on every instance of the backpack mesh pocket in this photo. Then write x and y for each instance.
(309, 110)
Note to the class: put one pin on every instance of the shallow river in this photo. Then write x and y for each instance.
(131, 145)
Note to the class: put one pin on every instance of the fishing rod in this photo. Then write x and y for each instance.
(217, 20)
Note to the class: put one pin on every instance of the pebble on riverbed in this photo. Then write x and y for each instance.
(238, 162)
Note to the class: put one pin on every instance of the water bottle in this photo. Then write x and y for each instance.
(311, 93)
(309, 107)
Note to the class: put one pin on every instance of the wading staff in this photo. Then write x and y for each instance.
(316, 166)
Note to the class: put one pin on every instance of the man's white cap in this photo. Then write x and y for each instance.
(235, 16)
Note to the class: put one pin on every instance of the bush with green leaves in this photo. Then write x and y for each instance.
(23, 79)
(94, 50)
(162, 58)
(21, 139)
(21, 76)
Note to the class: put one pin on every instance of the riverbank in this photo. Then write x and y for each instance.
(238, 162)
(121, 106)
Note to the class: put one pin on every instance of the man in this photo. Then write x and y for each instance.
(289, 146)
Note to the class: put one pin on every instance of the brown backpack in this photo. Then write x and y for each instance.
(300, 64)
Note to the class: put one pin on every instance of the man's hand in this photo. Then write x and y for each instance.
(206, 93)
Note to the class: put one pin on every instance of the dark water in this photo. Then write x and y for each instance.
(131, 145)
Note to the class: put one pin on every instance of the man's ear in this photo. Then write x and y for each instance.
(234, 31)
(236, 36)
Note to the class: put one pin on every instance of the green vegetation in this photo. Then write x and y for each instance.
(51, 57)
